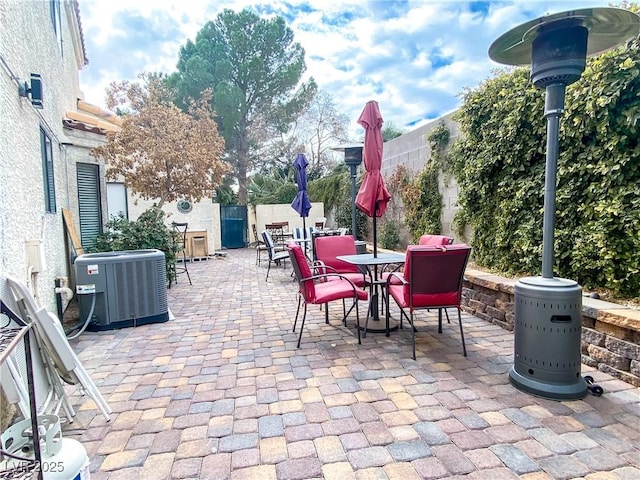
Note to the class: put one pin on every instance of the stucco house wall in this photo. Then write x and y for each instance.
(29, 44)
(205, 215)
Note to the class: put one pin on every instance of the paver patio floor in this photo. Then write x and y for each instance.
(222, 392)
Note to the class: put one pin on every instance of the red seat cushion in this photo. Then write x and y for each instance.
(401, 295)
(336, 290)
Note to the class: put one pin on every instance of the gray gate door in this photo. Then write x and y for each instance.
(233, 226)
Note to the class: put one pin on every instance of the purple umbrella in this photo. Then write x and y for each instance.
(301, 203)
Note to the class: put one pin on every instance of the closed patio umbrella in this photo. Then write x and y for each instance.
(301, 203)
(373, 195)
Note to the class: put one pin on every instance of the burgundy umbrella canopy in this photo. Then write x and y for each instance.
(373, 195)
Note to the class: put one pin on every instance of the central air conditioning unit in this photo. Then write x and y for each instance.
(122, 289)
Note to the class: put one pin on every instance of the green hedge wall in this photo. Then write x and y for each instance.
(499, 163)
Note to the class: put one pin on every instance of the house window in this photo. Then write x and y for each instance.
(56, 20)
(116, 200)
(46, 151)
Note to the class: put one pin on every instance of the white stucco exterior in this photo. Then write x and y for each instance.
(29, 44)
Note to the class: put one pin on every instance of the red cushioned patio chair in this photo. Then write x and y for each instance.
(432, 278)
(321, 289)
(328, 248)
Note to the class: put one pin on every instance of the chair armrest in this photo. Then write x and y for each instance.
(323, 276)
(397, 275)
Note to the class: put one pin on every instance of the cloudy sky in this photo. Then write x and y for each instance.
(413, 56)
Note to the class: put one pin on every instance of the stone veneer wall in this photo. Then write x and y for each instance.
(610, 332)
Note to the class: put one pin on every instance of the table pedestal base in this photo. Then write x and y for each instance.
(378, 326)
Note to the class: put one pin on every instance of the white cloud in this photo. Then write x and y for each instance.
(414, 56)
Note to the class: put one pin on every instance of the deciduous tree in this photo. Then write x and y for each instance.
(160, 151)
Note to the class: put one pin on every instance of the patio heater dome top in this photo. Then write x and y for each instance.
(352, 153)
(607, 27)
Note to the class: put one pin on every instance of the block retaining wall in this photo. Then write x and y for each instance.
(610, 332)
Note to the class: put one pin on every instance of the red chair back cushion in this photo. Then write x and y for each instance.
(327, 248)
(435, 240)
(302, 270)
(434, 274)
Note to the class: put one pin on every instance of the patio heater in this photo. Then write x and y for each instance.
(548, 309)
(353, 159)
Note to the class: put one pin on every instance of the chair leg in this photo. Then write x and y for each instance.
(268, 268)
(185, 268)
(355, 303)
(344, 313)
(366, 320)
(326, 313)
(413, 335)
(304, 317)
(447, 315)
(439, 320)
(464, 348)
(297, 312)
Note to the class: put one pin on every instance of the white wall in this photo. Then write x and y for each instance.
(204, 216)
(28, 45)
(264, 214)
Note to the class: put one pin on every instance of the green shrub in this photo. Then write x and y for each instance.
(147, 232)
(389, 237)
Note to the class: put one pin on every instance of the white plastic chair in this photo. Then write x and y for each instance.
(54, 350)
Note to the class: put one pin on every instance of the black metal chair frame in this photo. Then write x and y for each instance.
(274, 255)
(180, 242)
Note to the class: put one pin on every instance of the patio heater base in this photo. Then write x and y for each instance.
(548, 327)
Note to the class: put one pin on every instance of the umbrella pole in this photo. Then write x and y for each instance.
(375, 231)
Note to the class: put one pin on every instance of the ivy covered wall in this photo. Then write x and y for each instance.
(499, 162)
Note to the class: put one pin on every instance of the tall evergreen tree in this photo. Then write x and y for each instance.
(254, 68)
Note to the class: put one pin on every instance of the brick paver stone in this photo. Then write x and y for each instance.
(453, 459)
(563, 467)
(156, 467)
(270, 426)
(553, 442)
(401, 471)
(299, 469)
(514, 458)
(409, 451)
(431, 433)
(130, 458)
(600, 459)
(430, 468)
(330, 449)
(273, 450)
(259, 472)
(470, 440)
(232, 443)
(369, 457)
(338, 471)
(186, 468)
(483, 458)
